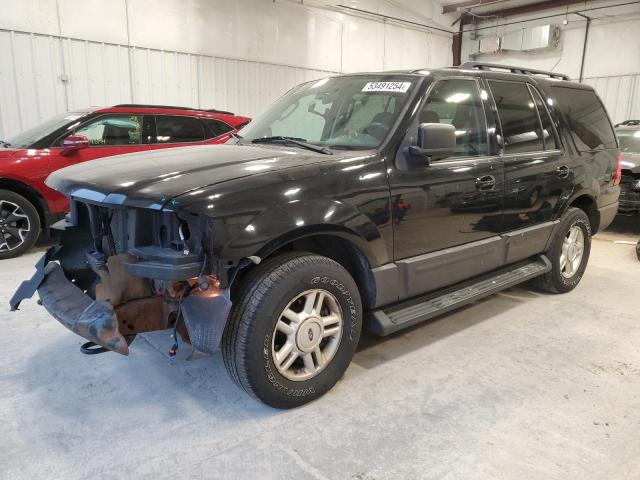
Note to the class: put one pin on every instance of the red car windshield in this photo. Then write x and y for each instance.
(27, 138)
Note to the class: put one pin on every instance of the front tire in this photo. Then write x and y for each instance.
(568, 253)
(293, 329)
(19, 224)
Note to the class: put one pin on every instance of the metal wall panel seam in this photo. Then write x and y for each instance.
(12, 43)
(160, 50)
(35, 72)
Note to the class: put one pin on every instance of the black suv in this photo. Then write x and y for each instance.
(375, 199)
(628, 133)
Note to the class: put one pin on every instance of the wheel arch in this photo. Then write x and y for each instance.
(335, 243)
(587, 203)
(30, 193)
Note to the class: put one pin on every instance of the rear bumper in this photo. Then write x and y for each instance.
(629, 206)
(607, 214)
(629, 198)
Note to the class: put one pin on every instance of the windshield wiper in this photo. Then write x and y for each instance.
(300, 142)
(4, 144)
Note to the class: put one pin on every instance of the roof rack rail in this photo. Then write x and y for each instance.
(148, 105)
(173, 107)
(512, 69)
(629, 123)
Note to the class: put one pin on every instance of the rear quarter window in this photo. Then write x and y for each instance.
(586, 118)
(215, 128)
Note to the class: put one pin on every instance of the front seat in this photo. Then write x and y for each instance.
(380, 125)
(428, 116)
(116, 135)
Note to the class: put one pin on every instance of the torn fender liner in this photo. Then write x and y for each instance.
(205, 316)
(93, 320)
(29, 287)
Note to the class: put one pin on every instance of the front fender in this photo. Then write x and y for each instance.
(277, 226)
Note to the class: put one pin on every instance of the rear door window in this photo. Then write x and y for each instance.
(178, 129)
(521, 130)
(548, 135)
(586, 117)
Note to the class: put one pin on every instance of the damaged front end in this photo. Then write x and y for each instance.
(118, 271)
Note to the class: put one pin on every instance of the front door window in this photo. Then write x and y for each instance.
(112, 130)
(457, 102)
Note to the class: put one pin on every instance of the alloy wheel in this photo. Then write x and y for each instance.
(14, 226)
(307, 335)
(572, 252)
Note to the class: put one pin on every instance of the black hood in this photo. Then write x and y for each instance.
(151, 179)
(631, 161)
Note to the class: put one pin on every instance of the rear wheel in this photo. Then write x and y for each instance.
(568, 253)
(19, 224)
(293, 329)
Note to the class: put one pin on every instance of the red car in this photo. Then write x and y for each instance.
(27, 204)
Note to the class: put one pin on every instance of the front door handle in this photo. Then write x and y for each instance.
(486, 183)
(562, 171)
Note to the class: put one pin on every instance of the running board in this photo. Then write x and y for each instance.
(396, 317)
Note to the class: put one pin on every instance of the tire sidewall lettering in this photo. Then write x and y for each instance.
(346, 293)
(272, 378)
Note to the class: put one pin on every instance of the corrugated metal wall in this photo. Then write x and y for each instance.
(620, 94)
(42, 75)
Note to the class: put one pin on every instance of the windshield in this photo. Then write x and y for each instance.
(341, 112)
(27, 138)
(629, 140)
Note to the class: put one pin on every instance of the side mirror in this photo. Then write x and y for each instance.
(74, 143)
(435, 141)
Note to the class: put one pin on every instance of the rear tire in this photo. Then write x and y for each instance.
(19, 224)
(293, 329)
(568, 253)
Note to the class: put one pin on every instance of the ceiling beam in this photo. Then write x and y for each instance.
(454, 7)
(532, 8)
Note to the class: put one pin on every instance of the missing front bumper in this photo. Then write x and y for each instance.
(125, 306)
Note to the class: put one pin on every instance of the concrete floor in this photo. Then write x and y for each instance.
(521, 385)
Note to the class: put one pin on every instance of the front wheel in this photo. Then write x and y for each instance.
(293, 329)
(568, 253)
(19, 224)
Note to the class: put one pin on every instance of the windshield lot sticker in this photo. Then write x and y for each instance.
(401, 87)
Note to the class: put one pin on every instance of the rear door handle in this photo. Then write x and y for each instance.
(486, 183)
(562, 171)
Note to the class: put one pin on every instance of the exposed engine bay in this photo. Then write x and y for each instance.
(117, 272)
